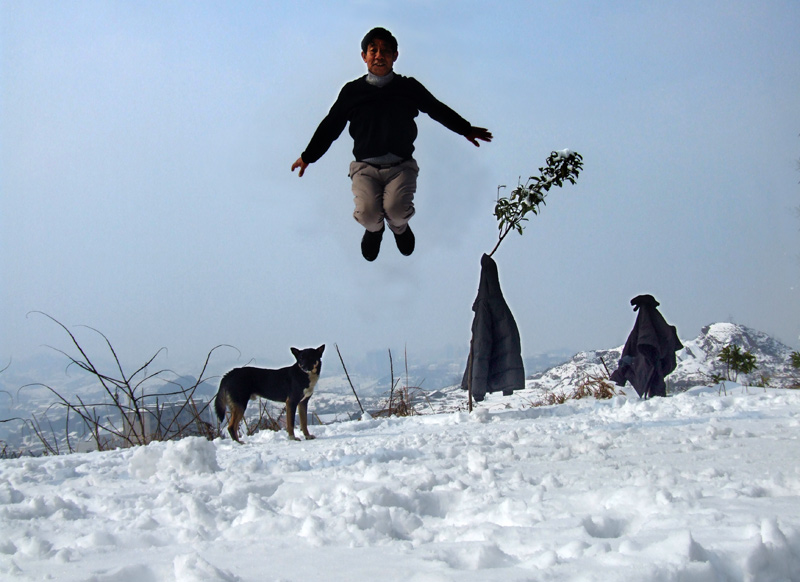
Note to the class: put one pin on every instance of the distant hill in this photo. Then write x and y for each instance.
(334, 398)
(697, 361)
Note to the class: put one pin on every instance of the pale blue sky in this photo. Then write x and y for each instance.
(145, 188)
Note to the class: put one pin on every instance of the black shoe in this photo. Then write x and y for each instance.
(405, 242)
(371, 244)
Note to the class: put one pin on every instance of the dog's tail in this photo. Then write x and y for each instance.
(219, 400)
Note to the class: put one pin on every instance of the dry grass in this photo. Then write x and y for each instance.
(592, 386)
(401, 402)
(264, 420)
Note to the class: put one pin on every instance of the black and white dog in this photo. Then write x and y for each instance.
(293, 385)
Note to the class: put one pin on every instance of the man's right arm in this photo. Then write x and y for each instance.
(299, 163)
(327, 132)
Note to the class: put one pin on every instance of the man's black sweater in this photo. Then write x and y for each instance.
(381, 118)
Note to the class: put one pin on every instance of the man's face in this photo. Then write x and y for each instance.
(379, 57)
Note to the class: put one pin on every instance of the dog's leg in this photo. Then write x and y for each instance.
(291, 408)
(237, 414)
(303, 410)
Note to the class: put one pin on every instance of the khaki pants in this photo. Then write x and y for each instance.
(384, 194)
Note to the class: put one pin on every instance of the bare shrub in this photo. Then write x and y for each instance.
(129, 415)
(264, 420)
(346, 373)
(401, 402)
(402, 399)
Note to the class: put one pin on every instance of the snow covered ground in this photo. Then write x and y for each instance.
(700, 486)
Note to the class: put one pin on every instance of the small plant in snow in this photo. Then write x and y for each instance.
(736, 362)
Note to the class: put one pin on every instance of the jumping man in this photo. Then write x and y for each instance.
(381, 107)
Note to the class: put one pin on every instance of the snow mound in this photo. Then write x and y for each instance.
(192, 455)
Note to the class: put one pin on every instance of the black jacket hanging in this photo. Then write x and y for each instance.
(649, 353)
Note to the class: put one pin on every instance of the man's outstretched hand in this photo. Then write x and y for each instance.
(478, 133)
(299, 163)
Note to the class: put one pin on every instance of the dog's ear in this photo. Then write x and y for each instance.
(321, 349)
(295, 352)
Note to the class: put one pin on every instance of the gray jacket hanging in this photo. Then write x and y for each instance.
(496, 352)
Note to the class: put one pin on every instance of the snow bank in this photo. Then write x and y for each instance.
(702, 486)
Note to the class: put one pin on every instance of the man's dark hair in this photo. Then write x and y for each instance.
(379, 34)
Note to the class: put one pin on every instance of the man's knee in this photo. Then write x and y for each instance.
(371, 220)
(399, 209)
(398, 199)
(367, 197)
